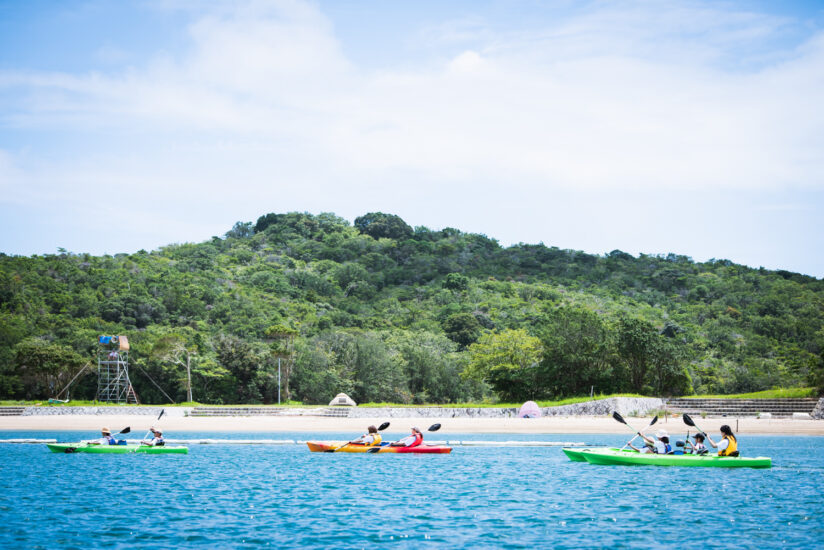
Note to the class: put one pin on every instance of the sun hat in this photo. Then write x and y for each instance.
(106, 431)
(661, 433)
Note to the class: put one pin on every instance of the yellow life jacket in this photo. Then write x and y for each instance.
(377, 440)
(732, 446)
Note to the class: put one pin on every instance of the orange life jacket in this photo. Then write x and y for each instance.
(732, 446)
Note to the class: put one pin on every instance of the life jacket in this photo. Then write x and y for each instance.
(732, 446)
(110, 440)
(376, 440)
(418, 440)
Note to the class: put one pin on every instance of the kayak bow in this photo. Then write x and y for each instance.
(577, 455)
(342, 447)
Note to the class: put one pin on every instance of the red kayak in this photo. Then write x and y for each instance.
(344, 447)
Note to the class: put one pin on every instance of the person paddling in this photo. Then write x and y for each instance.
(412, 440)
(370, 439)
(728, 446)
(661, 444)
(698, 447)
(157, 439)
(106, 438)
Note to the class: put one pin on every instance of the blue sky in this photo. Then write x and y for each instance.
(651, 127)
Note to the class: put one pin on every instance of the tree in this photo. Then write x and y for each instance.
(432, 367)
(507, 360)
(462, 328)
(282, 342)
(456, 281)
(816, 377)
(383, 226)
(318, 376)
(578, 352)
(44, 368)
(636, 349)
(243, 364)
(652, 360)
(240, 230)
(669, 376)
(182, 348)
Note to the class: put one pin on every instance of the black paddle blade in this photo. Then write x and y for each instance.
(688, 421)
(162, 412)
(654, 420)
(679, 443)
(618, 417)
(125, 430)
(434, 428)
(383, 426)
(373, 450)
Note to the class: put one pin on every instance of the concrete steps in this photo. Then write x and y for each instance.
(11, 411)
(334, 412)
(742, 407)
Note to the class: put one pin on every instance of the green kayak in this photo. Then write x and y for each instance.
(610, 457)
(114, 449)
(577, 455)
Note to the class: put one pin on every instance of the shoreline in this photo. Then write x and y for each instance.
(544, 425)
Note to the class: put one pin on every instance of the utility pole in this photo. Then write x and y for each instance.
(278, 380)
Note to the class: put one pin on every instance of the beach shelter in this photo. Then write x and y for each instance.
(342, 400)
(530, 409)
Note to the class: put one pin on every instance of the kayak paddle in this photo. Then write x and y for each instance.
(380, 429)
(654, 420)
(688, 421)
(432, 428)
(617, 416)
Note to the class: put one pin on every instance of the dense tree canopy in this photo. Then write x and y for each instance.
(386, 312)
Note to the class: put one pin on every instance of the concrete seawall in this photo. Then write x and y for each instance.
(628, 406)
(624, 405)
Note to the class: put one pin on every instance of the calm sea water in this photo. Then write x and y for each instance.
(286, 497)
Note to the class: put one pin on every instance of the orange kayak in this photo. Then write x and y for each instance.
(325, 446)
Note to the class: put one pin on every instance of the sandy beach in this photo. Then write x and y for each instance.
(308, 424)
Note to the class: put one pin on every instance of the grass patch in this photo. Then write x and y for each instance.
(490, 405)
(776, 393)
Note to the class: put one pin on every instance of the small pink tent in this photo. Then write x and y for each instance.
(530, 409)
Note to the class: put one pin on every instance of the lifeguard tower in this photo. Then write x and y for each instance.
(113, 384)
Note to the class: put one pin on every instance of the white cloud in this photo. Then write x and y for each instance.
(605, 99)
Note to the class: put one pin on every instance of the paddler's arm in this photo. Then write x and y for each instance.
(647, 439)
(713, 443)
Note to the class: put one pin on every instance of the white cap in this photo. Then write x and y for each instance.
(661, 433)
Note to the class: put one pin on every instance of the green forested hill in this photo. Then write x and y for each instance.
(385, 312)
